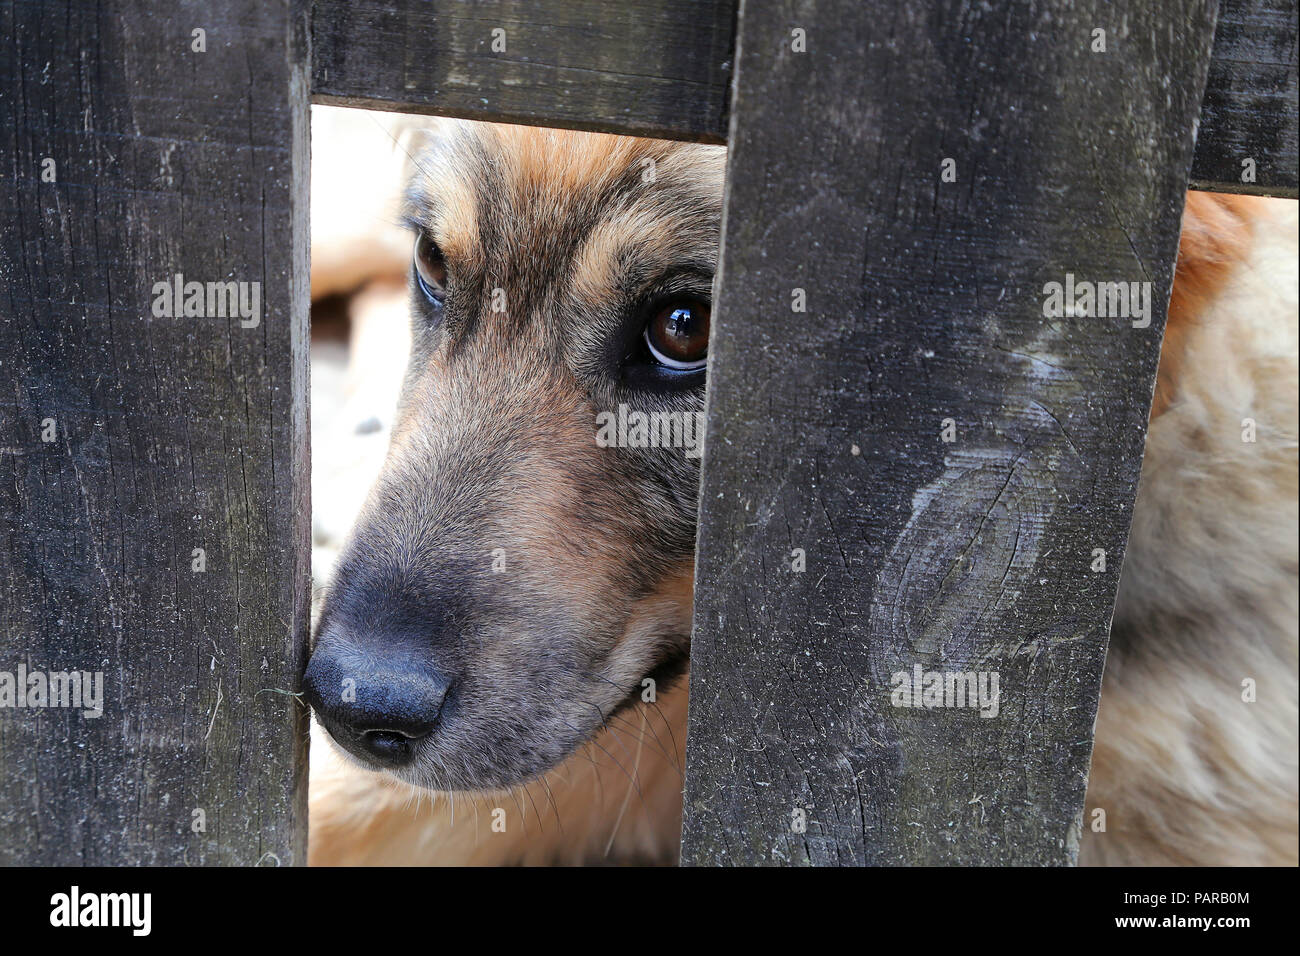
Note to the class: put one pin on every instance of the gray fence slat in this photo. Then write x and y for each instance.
(650, 68)
(1250, 109)
(169, 434)
(925, 303)
(662, 68)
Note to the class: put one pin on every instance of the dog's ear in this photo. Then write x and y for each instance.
(360, 160)
(1215, 241)
(413, 136)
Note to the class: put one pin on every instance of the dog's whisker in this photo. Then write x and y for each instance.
(658, 746)
(618, 821)
(596, 743)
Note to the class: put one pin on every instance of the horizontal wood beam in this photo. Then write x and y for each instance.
(662, 68)
(1248, 136)
(648, 68)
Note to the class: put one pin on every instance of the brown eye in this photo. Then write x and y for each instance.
(430, 268)
(678, 334)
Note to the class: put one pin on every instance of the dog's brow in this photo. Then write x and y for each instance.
(610, 214)
(636, 247)
(445, 206)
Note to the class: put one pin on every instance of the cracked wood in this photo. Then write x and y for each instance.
(826, 428)
(169, 434)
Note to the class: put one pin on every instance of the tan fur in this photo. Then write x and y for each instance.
(1185, 770)
(1214, 244)
(586, 811)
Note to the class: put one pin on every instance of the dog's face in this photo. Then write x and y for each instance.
(515, 575)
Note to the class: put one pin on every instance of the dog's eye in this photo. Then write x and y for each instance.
(430, 269)
(678, 334)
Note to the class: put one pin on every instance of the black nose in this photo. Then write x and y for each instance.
(387, 746)
(376, 700)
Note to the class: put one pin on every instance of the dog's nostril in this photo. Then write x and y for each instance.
(388, 747)
(378, 696)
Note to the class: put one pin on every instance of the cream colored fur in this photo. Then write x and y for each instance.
(618, 800)
(1186, 771)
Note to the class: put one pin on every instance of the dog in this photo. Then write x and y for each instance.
(498, 669)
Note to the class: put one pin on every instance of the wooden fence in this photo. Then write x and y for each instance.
(908, 463)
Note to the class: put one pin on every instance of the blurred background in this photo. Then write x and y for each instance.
(360, 335)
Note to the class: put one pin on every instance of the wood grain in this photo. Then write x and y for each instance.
(651, 68)
(663, 69)
(169, 435)
(1250, 109)
(925, 307)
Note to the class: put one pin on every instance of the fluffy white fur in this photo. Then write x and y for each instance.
(1186, 771)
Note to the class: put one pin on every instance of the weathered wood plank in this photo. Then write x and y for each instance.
(651, 68)
(663, 68)
(129, 439)
(924, 320)
(1250, 111)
